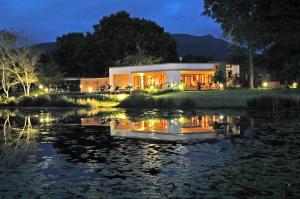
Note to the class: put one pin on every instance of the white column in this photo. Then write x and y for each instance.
(130, 79)
(142, 81)
(173, 76)
(111, 80)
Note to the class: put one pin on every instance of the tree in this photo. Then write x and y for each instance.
(197, 59)
(17, 62)
(116, 38)
(121, 35)
(239, 22)
(7, 40)
(70, 53)
(138, 59)
(49, 73)
(281, 32)
(218, 77)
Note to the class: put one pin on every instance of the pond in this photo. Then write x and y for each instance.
(117, 153)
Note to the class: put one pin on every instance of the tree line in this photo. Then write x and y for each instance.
(269, 30)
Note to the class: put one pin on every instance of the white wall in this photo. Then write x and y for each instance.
(173, 76)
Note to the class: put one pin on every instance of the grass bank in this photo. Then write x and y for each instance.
(65, 101)
(202, 99)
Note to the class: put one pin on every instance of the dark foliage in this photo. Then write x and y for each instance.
(275, 103)
(115, 37)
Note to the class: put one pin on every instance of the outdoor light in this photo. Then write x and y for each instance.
(41, 86)
(182, 120)
(221, 117)
(80, 86)
(181, 86)
(221, 86)
(46, 90)
(121, 97)
(295, 85)
(265, 84)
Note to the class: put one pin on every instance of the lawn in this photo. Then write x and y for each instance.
(223, 99)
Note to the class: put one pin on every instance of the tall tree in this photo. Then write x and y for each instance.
(121, 35)
(17, 61)
(239, 22)
(281, 32)
(117, 39)
(8, 80)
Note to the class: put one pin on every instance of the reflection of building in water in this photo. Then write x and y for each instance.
(233, 127)
(184, 128)
(95, 121)
(171, 129)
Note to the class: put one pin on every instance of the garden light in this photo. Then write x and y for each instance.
(181, 86)
(41, 86)
(121, 97)
(221, 117)
(265, 84)
(295, 85)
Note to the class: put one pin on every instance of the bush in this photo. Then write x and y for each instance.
(138, 101)
(144, 101)
(25, 101)
(42, 100)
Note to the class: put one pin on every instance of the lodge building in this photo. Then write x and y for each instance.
(161, 76)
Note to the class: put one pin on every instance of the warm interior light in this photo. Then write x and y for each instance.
(181, 86)
(90, 89)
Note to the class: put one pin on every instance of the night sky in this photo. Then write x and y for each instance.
(44, 20)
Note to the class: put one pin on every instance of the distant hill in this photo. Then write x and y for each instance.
(44, 47)
(206, 45)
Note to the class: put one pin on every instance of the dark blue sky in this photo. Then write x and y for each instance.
(44, 20)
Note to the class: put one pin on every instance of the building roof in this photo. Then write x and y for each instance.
(164, 67)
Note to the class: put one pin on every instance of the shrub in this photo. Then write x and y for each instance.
(138, 101)
(144, 101)
(42, 100)
(25, 101)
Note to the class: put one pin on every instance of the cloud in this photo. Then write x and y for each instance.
(47, 19)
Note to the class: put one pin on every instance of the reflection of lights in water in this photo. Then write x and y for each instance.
(172, 121)
(118, 116)
(182, 120)
(45, 119)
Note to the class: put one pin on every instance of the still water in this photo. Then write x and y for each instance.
(118, 153)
